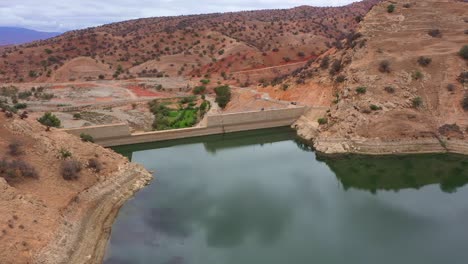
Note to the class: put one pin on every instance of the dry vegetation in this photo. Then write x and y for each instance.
(186, 45)
(401, 76)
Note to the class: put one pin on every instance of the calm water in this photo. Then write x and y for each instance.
(263, 197)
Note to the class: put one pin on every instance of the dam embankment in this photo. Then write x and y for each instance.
(119, 134)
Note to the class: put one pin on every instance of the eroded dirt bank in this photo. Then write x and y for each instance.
(45, 218)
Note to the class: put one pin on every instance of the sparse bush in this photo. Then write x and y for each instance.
(424, 61)
(12, 170)
(340, 79)
(435, 33)
(407, 5)
(417, 75)
(14, 148)
(65, 153)
(391, 8)
(325, 63)
(49, 120)
(199, 89)
(322, 121)
(21, 106)
(223, 95)
(374, 107)
(335, 67)
(417, 102)
(95, 164)
(101, 77)
(86, 137)
(205, 81)
(465, 103)
(451, 87)
(77, 116)
(361, 90)
(384, 66)
(464, 52)
(463, 77)
(389, 89)
(71, 169)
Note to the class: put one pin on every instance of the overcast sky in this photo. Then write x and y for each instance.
(63, 15)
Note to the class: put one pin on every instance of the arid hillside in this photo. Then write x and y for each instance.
(402, 77)
(186, 45)
(58, 195)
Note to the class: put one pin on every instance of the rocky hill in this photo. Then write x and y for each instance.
(400, 83)
(186, 45)
(59, 196)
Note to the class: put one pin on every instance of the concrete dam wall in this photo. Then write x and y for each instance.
(119, 134)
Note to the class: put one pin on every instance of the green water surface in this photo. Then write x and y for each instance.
(264, 197)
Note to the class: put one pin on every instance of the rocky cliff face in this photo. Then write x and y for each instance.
(45, 218)
(399, 82)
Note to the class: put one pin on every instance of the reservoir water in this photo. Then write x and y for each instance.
(264, 197)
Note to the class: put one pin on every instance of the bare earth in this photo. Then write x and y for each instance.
(49, 219)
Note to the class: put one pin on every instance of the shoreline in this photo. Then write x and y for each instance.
(84, 235)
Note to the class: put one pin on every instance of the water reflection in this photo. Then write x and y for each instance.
(266, 198)
(399, 172)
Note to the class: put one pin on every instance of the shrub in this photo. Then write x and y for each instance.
(374, 107)
(86, 138)
(463, 77)
(205, 81)
(71, 169)
(417, 102)
(14, 148)
(199, 89)
(361, 90)
(77, 116)
(50, 120)
(391, 8)
(340, 79)
(101, 77)
(417, 75)
(325, 63)
(95, 165)
(464, 52)
(451, 87)
(223, 95)
(435, 33)
(322, 121)
(11, 170)
(424, 61)
(407, 5)
(465, 103)
(384, 66)
(389, 89)
(65, 153)
(335, 67)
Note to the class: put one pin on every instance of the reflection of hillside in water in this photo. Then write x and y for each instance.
(399, 172)
(216, 142)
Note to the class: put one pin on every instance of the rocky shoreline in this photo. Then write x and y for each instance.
(364, 146)
(86, 240)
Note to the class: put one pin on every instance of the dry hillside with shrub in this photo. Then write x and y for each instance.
(185, 45)
(58, 195)
(402, 77)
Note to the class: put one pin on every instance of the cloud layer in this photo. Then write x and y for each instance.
(53, 15)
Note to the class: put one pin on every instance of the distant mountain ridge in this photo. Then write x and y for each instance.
(17, 35)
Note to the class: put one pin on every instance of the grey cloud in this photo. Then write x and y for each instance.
(54, 15)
